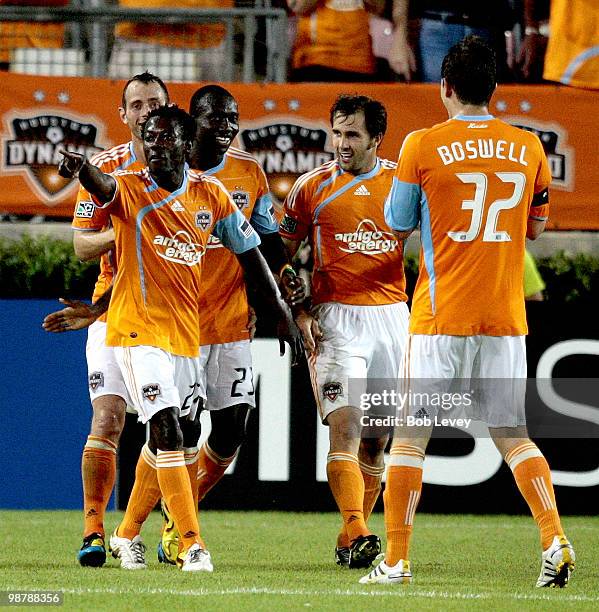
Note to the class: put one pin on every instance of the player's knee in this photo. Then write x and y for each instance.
(191, 430)
(165, 432)
(108, 418)
(228, 431)
(372, 449)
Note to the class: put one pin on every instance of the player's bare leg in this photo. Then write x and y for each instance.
(533, 477)
(402, 493)
(98, 472)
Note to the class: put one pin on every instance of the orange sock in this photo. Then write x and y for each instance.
(402, 492)
(175, 487)
(98, 472)
(533, 478)
(347, 486)
(191, 456)
(144, 495)
(373, 478)
(211, 468)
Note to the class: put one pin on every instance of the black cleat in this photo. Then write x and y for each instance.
(342, 556)
(93, 551)
(364, 550)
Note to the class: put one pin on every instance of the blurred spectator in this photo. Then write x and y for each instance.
(534, 27)
(572, 56)
(18, 34)
(533, 282)
(333, 40)
(443, 23)
(206, 40)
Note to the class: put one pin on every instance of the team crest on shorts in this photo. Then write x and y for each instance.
(96, 379)
(204, 219)
(332, 390)
(151, 391)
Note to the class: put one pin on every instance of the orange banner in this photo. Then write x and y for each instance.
(286, 127)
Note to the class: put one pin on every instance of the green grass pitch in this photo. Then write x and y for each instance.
(283, 561)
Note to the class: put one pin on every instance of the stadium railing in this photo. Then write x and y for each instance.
(255, 42)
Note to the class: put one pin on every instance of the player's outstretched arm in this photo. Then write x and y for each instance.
(99, 184)
(76, 315)
(258, 274)
(90, 245)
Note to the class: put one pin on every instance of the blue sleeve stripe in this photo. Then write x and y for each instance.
(236, 233)
(402, 206)
(263, 217)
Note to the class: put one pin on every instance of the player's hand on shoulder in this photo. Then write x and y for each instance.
(310, 329)
(70, 164)
(288, 332)
(76, 315)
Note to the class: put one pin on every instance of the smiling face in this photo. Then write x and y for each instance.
(217, 125)
(140, 98)
(165, 147)
(355, 148)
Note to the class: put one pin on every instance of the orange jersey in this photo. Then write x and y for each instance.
(180, 35)
(470, 182)
(89, 218)
(223, 285)
(161, 237)
(335, 35)
(572, 56)
(357, 259)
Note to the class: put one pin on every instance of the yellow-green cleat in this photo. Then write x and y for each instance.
(168, 547)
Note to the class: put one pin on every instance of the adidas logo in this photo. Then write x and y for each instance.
(421, 414)
(361, 190)
(177, 206)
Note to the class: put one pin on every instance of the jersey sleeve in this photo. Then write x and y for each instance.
(297, 218)
(230, 226)
(539, 207)
(87, 216)
(402, 206)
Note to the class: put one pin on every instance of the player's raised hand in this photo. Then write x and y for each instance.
(310, 329)
(70, 164)
(288, 332)
(76, 315)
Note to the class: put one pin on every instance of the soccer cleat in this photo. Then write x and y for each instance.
(93, 551)
(342, 556)
(132, 553)
(168, 547)
(363, 551)
(557, 563)
(383, 574)
(196, 559)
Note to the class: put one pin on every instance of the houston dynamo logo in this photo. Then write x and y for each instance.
(31, 147)
(368, 239)
(286, 149)
(554, 139)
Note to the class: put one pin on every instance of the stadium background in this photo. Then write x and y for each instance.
(44, 402)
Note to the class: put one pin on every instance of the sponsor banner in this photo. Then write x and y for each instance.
(286, 127)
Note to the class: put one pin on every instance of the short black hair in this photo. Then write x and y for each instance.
(146, 78)
(470, 68)
(201, 94)
(174, 113)
(375, 114)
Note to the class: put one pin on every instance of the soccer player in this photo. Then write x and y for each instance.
(163, 216)
(478, 187)
(94, 236)
(357, 328)
(225, 353)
